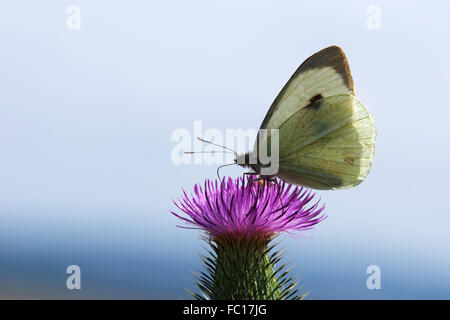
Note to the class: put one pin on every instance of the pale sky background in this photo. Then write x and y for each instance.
(86, 118)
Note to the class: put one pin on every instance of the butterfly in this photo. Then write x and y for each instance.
(326, 136)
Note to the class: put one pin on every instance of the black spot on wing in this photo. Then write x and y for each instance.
(315, 102)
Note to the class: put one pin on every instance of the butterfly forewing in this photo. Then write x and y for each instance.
(325, 73)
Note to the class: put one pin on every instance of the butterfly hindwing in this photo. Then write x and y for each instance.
(328, 145)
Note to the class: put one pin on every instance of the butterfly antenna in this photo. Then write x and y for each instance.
(217, 145)
(224, 151)
(213, 151)
(220, 167)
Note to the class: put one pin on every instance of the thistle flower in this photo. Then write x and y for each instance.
(240, 219)
(249, 209)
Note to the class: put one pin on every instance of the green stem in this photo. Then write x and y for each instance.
(241, 268)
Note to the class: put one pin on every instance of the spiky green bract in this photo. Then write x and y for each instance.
(242, 268)
(240, 219)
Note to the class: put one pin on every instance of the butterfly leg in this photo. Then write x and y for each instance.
(279, 187)
(251, 174)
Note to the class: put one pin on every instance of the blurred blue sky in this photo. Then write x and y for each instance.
(86, 118)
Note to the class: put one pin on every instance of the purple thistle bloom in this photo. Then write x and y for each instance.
(250, 209)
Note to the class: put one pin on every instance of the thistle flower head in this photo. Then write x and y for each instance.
(248, 209)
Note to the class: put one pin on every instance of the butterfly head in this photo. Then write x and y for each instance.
(247, 160)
